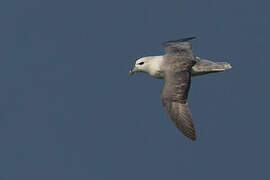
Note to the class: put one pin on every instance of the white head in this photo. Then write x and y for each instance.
(141, 65)
(150, 65)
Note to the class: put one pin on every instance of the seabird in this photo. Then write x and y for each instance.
(176, 67)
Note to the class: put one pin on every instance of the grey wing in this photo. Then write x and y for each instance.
(174, 98)
(178, 47)
(177, 66)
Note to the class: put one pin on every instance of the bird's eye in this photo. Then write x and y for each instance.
(141, 63)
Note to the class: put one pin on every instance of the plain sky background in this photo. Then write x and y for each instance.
(69, 109)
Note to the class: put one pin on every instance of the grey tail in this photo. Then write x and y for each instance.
(204, 66)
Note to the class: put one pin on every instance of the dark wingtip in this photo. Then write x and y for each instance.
(179, 40)
(187, 39)
(193, 138)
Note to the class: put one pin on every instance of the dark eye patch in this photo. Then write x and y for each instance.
(141, 63)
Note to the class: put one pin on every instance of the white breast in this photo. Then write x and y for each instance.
(154, 68)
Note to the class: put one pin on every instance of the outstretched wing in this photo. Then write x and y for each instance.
(177, 64)
(179, 47)
(174, 98)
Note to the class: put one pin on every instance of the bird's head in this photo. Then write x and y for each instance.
(141, 65)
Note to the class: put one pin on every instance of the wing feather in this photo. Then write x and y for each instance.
(177, 65)
(178, 47)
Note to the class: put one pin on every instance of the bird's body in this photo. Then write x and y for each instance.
(176, 68)
(201, 67)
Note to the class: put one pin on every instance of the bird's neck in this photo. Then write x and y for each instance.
(154, 67)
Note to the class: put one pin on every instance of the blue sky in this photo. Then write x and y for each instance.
(69, 109)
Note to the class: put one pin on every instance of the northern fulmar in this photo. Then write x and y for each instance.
(176, 67)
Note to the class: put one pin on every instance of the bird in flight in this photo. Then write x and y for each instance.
(176, 67)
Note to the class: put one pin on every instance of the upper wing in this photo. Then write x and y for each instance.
(174, 99)
(179, 47)
(177, 65)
